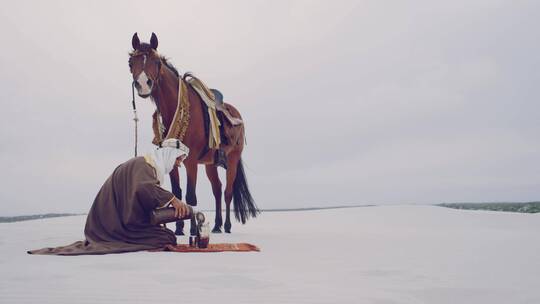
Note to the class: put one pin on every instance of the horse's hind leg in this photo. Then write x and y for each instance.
(232, 164)
(212, 173)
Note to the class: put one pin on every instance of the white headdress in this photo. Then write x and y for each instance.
(164, 157)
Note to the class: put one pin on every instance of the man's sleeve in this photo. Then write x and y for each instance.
(152, 196)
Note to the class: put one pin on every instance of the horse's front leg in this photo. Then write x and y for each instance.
(177, 191)
(191, 197)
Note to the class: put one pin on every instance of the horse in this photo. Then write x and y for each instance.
(156, 78)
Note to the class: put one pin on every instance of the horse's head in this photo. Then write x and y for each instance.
(145, 65)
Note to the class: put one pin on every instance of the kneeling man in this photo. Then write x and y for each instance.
(119, 219)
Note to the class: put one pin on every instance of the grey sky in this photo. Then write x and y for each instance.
(344, 101)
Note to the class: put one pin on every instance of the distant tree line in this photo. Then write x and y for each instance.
(528, 207)
(11, 219)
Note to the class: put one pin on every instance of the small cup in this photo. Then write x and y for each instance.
(204, 237)
(203, 242)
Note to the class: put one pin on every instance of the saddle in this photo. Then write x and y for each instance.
(218, 96)
(220, 106)
(221, 127)
(207, 95)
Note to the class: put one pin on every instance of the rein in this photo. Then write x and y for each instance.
(135, 118)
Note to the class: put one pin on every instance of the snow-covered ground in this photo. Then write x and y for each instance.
(395, 254)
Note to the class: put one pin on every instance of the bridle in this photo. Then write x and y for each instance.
(135, 118)
(154, 86)
(157, 80)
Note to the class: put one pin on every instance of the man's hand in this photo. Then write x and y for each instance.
(181, 209)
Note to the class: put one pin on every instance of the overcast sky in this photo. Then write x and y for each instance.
(345, 102)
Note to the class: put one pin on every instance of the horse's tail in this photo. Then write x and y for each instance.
(244, 205)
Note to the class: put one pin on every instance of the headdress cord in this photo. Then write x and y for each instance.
(135, 118)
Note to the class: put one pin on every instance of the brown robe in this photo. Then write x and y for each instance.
(119, 220)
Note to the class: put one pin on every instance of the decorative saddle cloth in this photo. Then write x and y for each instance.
(214, 102)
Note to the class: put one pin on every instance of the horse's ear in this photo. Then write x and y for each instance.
(154, 41)
(135, 42)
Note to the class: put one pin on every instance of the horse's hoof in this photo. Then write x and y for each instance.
(179, 232)
(216, 230)
(228, 228)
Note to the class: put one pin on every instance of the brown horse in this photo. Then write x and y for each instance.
(155, 77)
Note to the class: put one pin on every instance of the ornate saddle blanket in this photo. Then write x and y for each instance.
(214, 104)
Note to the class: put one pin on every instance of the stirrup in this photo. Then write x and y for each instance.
(220, 159)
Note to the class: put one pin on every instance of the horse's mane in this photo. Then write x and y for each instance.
(169, 65)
